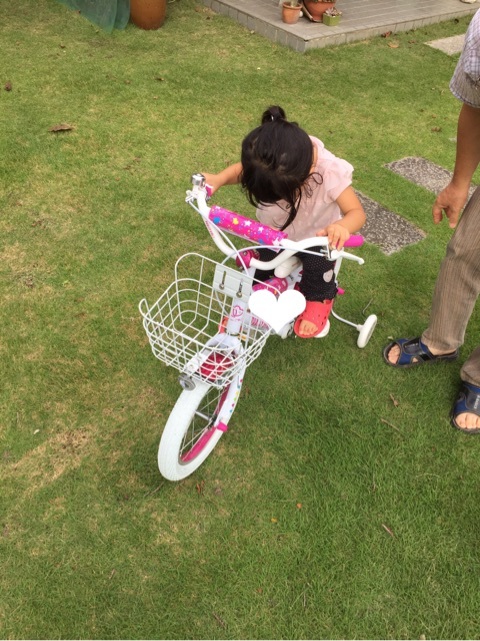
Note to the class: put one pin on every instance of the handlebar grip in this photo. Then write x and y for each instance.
(245, 227)
(355, 240)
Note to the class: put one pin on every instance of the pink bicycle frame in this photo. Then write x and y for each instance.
(255, 231)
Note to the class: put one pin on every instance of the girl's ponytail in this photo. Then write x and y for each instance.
(272, 114)
(277, 159)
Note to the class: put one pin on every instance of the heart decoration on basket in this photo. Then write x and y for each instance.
(277, 312)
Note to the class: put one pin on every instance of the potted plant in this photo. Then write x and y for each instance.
(291, 11)
(314, 9)
(331, 17)
(148, 14)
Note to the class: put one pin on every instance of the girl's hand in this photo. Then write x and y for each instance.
(337, 235)
(212, 181)
(228, 176)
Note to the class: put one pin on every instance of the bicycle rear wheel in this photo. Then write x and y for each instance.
(196, 424)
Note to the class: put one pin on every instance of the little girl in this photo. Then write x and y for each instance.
(303, 189)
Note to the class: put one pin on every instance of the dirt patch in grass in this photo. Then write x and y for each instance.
(47, 462)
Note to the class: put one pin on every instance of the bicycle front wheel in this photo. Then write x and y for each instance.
(196, 424)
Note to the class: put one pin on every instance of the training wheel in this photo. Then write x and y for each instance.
(366, 330)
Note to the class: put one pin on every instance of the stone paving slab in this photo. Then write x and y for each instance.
(450, 46)
(387, 230)
(421, 171)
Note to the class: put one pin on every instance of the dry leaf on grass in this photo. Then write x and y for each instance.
(391, 425)
(63, 126)
(387, 529)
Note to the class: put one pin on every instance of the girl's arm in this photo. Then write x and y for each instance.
(353, 219)
(228, 176)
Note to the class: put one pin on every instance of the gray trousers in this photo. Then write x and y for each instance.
(457, 289)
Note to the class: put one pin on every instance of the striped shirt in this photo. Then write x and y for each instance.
(465, 82)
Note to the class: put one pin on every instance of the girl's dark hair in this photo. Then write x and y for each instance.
(276, 159)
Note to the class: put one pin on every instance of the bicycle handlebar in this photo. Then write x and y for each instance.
(216, 217)
(245, 227)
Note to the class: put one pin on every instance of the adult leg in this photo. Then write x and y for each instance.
(458, 284)
(466, 410)
(456, 291)
(470, 372)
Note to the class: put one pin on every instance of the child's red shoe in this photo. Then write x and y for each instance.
(316, 313)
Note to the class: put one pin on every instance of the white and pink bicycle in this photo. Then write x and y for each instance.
(213, 321)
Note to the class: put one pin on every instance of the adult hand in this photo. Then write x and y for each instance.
(449, 202)
(337, 235)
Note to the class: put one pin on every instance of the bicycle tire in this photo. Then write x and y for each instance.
(191, 432)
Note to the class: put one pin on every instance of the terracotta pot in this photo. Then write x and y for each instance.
(290, 15)
(148, 14)
(317, 9)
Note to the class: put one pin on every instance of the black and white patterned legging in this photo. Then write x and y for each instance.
(318, 278)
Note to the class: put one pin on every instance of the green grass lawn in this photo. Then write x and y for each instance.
(340, 504)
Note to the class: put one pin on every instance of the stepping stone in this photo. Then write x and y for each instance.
(450, 46)
(421, 171)
(387, 230)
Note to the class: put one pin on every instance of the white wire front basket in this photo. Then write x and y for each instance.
(186, 326)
